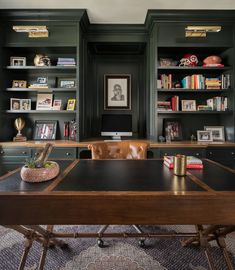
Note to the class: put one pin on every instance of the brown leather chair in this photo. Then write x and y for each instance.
(119, 150)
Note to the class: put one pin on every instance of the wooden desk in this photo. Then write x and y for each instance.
(120, 192)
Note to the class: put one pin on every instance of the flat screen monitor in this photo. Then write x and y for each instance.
(116, 125)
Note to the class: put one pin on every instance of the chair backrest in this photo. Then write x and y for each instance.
(119, 150)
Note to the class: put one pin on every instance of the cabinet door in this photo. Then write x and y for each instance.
(223, 155)
(183, 151)
(14, 155)
(61, 153)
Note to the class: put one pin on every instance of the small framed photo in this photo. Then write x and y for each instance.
(15, 104)
(66, 82)
(42, 80)
(45, 130)
(17, 61)
(217, 133)
(172, 129)
(117, 92)
(19, 84)
(204, 136)
(188, 105)
(57, 104)
(25, 104)
(44, 101)
(71, 105)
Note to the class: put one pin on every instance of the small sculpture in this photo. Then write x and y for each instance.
(19, 125)
(41, 60)
(213, 60)
(189, 60)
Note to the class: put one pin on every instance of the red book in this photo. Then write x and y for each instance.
(189, 166)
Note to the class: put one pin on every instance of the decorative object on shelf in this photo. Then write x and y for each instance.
(193, 138)
(180, 163)
(217, 133)
(34, 31)
(19, 125)
(45, 130)
(71, 104)
(117, 92)
(188, 105)
(201, 30)
(177, 84)
(161, 139)
(72, 130)
(41, 60)
(17, 61)
(66, 82)
(189, 60)
(167, 62)
(172, 129)
(213, 61)
(57, 103)
(204, 136)
(44, 101)
(15, 104)
(39, 169)
(19, 84)
(25, 104)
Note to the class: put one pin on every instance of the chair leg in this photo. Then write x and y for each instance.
(100, 242)
(140, 231)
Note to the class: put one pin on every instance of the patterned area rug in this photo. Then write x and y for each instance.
(119, 254)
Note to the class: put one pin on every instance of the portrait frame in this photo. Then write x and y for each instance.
(19, 84)
(188, 105)
(25, 104)
(17, 61)
(71, 104)
(57, 104)
(204, 136)
(44, 101)
(172, 129)
(15, 104)
(45, 130)
(121, 98)
(218, 134)
(66, 83)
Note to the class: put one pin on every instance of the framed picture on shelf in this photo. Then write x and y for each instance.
(15, 104)
(71, 105)
(172, 129)
(204, 136)
(19, 84)
(217, 133)
(25, 104)
(45, 130)
(44, 101)
(57, 104)
(66, 82)
(188, 105)
(42, 80)
(117, 92)
(17, 61)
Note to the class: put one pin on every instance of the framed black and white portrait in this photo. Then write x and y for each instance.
(117, 92)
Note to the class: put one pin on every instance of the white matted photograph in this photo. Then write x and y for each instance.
(217, 133)
(25, 104)
(117, 92)
(188, 105)
(57, 103)
(204, 136)
(15, 104)
(17, 61)
(44, 101)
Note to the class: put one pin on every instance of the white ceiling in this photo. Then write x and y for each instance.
(118, 11)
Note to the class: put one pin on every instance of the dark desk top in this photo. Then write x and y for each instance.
(121, 192)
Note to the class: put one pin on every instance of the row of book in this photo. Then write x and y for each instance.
(66, 62)
(196, 81)
(212, 104)
(192, 162)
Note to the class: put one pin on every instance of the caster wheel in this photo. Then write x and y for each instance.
(142, 243)
(100, 243)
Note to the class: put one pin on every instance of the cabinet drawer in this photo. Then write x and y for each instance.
(169, 34)
(221, 154)
(188, 152)
(61, 153)
(15, 155)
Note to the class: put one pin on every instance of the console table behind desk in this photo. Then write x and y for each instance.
(121, 192)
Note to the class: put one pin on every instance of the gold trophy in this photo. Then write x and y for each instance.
(19, 125)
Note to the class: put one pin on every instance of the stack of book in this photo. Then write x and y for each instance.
(213, 83)
(192, 162)
(218, 103)
(66, 62)
(38, 85)
(164, 106)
